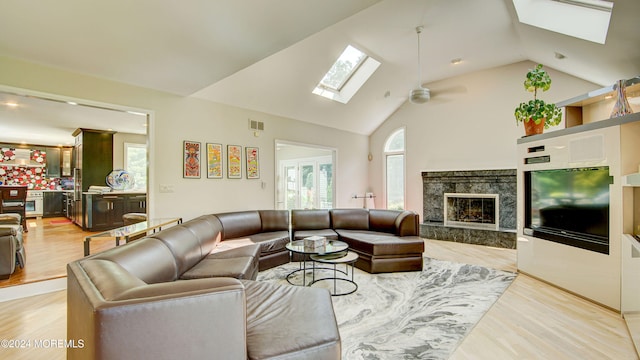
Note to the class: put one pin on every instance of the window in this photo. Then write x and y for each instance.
(135, 162)
(347, 75)
(583, 19)
(394, 150)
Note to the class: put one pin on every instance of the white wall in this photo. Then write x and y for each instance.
(175, 119)
(471, 127)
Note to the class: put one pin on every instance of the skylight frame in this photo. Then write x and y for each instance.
(583, 19)
(352, 81)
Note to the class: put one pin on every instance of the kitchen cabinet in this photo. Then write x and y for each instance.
(93, 161)
(105, 211)
(137, 203)
(53, 162)
(65, 162)
(53, 204)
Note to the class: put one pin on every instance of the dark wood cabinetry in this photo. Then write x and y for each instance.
(93, 161)
(136, 204)
(53, 204)
(104, 211)
(53, 162)
(59, 162)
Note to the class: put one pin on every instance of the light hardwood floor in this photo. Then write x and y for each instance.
(50, 244)
(532, 320)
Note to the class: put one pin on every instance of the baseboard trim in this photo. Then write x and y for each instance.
(572, 292)
(31, 289)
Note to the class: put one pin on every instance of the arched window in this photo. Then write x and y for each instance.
(394, 149)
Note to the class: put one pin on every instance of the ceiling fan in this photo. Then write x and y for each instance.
(419, 95)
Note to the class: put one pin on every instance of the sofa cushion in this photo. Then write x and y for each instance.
(310, 219)
(330, 234)
(184, 245)
(383, 220)
(351, 219)
(271, 242)
(239, 224)
(274, 220)
(148, 259)
(239, 263)
(207, 229)
(376, 243)
(407, 224)
(290, 322)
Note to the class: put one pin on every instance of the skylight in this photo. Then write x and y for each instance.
(352, 69)
(583, 19)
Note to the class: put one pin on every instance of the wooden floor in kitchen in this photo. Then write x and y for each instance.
(531, 320)
(50, 244)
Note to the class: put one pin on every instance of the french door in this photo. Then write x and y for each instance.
(306, 183)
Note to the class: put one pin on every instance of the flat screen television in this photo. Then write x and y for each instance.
(569, 206)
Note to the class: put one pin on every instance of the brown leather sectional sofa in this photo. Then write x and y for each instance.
(167, 296)
(175, 295)
(385, 240)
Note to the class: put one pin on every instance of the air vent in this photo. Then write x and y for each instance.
(256, 125)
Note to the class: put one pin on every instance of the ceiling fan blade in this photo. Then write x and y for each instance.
(457, 89)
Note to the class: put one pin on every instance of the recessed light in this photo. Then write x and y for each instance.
(72, 103)
(11, 104)
(456, 61)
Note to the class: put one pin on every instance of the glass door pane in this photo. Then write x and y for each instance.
(325, 186)
(291, 174)
(307, 186)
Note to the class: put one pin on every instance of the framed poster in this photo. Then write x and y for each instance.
(214, 161)
(253, 163)
(234, 161)
(191, 165)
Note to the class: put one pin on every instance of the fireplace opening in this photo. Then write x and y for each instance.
(479, 211)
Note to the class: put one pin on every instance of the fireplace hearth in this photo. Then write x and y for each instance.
(471, 226)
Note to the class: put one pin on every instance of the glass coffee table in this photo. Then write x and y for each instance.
(128, 232)
(347, 260)
(332, 247)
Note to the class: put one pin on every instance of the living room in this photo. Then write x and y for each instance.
(471, 129)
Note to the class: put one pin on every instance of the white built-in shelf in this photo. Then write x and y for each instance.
(631, 180)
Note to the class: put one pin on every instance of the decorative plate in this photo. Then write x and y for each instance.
(120, 179)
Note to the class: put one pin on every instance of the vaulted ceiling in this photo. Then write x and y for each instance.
(269, 55)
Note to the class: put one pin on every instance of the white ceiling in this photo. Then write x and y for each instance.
(269, 55)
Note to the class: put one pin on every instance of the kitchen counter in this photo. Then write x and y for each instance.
(119, 192)
(104, 211)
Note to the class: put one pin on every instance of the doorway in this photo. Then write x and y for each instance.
(305, 176)
(48, 121)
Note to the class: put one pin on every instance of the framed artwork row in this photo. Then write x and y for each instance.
(191, 168)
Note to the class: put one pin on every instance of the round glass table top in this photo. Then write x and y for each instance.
(331, 246)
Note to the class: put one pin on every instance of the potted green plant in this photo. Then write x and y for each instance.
(536, 114)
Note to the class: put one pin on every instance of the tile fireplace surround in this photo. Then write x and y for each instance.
(502, 182)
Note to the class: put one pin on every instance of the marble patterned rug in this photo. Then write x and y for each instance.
(409, 315)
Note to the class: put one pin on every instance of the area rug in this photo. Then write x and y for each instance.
(60, 222)
(409, 315)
